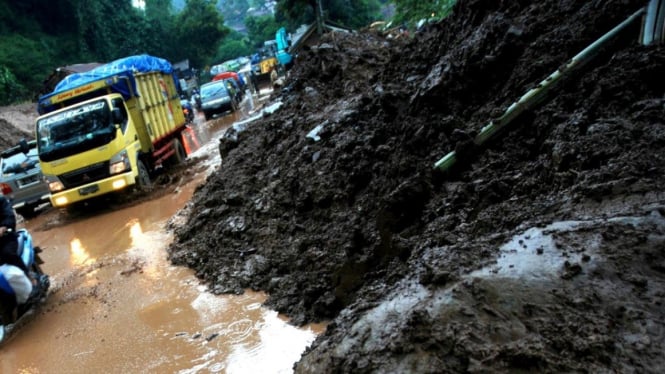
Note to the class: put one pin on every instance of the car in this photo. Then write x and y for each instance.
(215, 99)
(21, 180)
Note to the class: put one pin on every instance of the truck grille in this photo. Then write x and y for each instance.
(85, 175)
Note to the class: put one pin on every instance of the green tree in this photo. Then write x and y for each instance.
(411, 11)
(39, 54)
(297, 12)
(108, 29)
(199, 30)
(10, 89)
(234, 45)
(158, 22)
(36, 36)
(260, 29)
(353, 14)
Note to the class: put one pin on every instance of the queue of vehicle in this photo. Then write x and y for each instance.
(104, 109)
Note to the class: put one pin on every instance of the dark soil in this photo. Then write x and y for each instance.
(543, 251)
(11, 135)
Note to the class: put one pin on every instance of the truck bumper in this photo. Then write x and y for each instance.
(90, 190)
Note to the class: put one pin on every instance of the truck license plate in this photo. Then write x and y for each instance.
(88, 190)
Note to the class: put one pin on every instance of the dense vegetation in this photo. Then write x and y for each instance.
(36, 36)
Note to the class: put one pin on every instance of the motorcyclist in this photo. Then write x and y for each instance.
(8, 239)
(14, 272)
(196, 98)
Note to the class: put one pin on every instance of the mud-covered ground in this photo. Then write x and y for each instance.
(543, 251)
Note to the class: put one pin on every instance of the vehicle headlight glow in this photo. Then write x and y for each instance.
(61, 201)
(120, 183)
(56, 186)
(119, 163)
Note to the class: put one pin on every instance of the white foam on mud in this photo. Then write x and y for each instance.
(385, 317)
(533, 254)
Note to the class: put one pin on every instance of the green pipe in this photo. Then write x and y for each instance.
(537, 94)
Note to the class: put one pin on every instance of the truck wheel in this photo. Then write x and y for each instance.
(179, 155)
(143, 182)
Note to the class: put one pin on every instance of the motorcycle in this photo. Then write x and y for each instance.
(12, 313)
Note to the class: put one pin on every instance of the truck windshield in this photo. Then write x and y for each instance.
(76, 130)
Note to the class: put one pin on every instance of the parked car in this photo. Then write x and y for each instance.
(21, 180)
(215, 99)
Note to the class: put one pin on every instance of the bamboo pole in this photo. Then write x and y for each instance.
(537, 94)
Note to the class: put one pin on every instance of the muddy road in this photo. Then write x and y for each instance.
(118, 305)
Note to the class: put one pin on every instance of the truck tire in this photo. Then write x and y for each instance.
(179, 155)
(143, 183)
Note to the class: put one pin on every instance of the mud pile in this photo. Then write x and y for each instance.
(543, 251)
(16, 122)
(10, 134)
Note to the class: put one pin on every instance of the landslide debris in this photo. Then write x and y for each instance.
(543, 252)
(16, 123)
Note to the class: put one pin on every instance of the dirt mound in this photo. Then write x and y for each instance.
(541, 252)
(16, 122)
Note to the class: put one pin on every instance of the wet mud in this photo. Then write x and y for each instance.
(541, 251)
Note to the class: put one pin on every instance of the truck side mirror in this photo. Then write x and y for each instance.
(23, 146)
(116, 114)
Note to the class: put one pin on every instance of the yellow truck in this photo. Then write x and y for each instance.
(108, 129)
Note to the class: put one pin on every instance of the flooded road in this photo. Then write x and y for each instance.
(117, 305)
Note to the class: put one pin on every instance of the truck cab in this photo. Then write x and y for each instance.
(85, 149)
(107, 129)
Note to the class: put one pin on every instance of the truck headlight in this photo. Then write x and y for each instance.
(56, 186)
(119, 163)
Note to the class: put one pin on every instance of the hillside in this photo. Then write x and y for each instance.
(16, 122)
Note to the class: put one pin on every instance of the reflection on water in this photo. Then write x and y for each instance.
(79, 254)
(136, 234)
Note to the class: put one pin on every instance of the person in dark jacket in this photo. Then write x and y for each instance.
(8, 239)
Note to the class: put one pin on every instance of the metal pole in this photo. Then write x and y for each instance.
(535, 95)
(653, 22)
(660, 22)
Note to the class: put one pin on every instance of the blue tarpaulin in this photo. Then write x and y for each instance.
(123, 68)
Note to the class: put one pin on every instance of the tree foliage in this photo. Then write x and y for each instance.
(411, 11)
(37, 36)
(353, 14)
(10, 89)
(199, 29)
(260, 29)
(233, 46)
